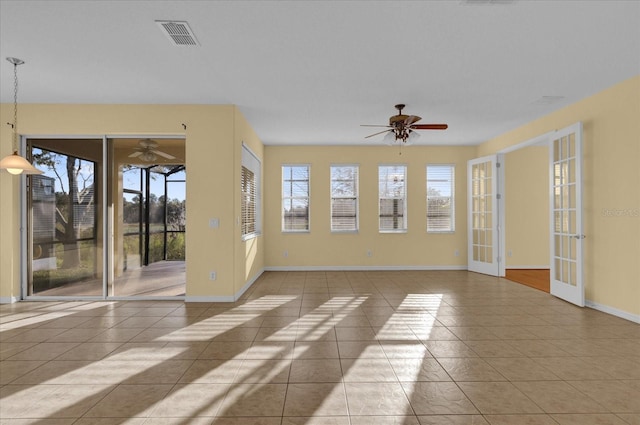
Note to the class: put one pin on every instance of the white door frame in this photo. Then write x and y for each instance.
(542, 140)
(545, 139)
(106, 211)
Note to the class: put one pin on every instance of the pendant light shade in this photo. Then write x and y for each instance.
(14, 163)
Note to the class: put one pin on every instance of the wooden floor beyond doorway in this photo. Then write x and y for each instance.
(535, 278)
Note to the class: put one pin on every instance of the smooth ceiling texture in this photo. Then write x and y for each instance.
(310, 72)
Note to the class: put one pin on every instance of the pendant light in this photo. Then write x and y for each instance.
(14, 163)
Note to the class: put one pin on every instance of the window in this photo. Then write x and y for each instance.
(295, 198)
(250, 193)
(393, 200)
(344, 198)
(440, 200)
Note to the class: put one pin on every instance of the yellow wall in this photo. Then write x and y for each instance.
(611, 194)
(527, 207)
(212, 147)
(213, 140)
(321, 248)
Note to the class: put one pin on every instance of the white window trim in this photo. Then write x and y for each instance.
(453, 199)
(251, 162)
(405, 215)
(282, 229)
(357, 229)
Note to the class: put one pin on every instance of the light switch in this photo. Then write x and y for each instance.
(214, 223)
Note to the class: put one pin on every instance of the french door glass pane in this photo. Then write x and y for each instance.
(482, 207)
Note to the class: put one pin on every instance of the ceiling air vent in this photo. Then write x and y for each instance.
(178, 32)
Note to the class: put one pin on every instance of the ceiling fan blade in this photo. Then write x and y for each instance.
(429, 126)
(163, 154)
(374, 125)
(375, 134)
(133, 155)
(411, 119)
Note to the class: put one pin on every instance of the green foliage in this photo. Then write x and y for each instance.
(175, 247)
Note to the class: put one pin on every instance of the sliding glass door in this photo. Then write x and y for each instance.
(130, 189)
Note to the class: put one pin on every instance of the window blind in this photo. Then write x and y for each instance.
(250, 194)
(295, 198)
(344, 198)
(392, 198)
(440, 198)
(248, 209)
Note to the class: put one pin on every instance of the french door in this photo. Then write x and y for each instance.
(483, 249)
(565, 179)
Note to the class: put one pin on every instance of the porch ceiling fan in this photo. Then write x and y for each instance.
(402, 128)
(147, 151)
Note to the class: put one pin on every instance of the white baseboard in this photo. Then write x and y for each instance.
(358, 268)
(248, 284)
(8, 300)
(209, 299)
(224, 298)
(528, 267)
(613, 311)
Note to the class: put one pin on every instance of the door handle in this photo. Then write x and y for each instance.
(579, 236)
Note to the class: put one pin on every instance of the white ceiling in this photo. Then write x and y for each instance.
(310, 72)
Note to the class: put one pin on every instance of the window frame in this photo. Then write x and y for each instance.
(452, 187)
(283, 198)
(356, 197)
(405, 220)
(251, 163)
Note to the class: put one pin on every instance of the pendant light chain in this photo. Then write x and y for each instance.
(16, 164)
(15, 107)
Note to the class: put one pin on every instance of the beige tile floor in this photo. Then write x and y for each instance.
(320, 348)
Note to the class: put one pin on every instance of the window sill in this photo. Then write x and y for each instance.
(250, 236)
(345, 232)
(393, 231)
(295, 231)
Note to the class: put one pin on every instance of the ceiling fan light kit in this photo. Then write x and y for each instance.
(148, 152)
(148, 156)
(402, 128)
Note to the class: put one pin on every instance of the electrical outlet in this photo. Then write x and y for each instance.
(214, 223)
(369, 253)
(285, 253)
(457, 253)
(509, 253)
(212, 275)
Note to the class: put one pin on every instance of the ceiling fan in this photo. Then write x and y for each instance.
(402, 128)
(147, 151)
